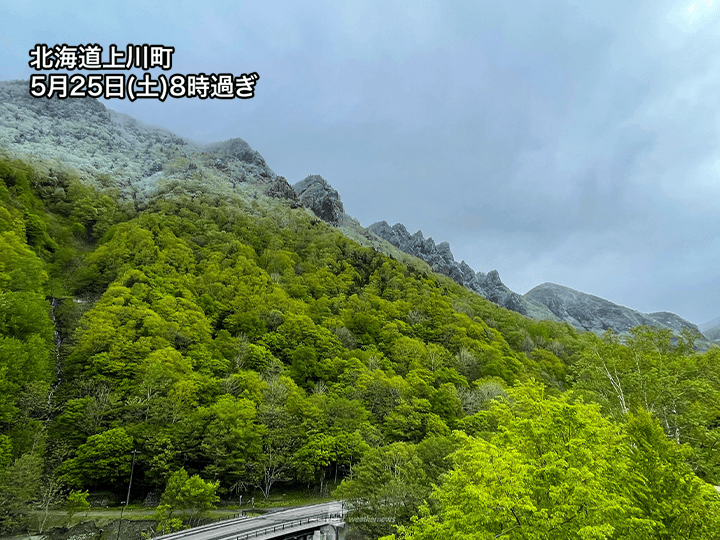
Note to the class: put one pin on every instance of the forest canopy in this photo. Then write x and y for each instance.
(240, 344)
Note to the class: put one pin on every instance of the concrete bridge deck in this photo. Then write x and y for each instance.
(319, 521)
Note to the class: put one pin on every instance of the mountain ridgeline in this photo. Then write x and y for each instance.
(547, 301)
(183, 314)
(96, 140)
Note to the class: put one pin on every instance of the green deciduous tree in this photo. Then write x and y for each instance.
(655, 371)
(76, 502)
(104, 460)
(191, 493)
(232, 437)
(549, 472)
(554, 468)
(674, 503)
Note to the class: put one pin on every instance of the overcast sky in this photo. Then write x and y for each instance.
(574, 142)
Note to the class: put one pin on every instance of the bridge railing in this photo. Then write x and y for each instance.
(205, 521)
(215, 524)
(325, 517)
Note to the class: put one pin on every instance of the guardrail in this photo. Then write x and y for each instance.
(196, 522)
(290, 525)
(216, 524)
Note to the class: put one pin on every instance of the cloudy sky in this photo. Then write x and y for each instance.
(567, 141)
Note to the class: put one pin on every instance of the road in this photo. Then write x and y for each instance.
(231, 529)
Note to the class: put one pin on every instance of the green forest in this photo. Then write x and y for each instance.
(233, 345)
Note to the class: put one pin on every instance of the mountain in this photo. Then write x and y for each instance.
(711, 329)
(441, 260)
(713, 334)
(596, 314)
(181, 313)
(315, 193)
(545, 302)
(87, 136)
(709, 325)
(163, 295)
(142, 160)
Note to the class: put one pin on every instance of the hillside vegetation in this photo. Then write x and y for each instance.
(248, 343)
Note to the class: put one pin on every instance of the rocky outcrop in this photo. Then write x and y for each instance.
(315, 193)
(238, 150)
(547, 301)
(281, 189)
(671, 321)
(597, 314)
(491, 287)
(441, 259)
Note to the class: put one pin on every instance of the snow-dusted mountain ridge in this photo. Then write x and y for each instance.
(141, 159)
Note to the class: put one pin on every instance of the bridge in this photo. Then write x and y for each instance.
(317, 522)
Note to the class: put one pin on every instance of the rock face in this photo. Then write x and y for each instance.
(490, 286)
(281, 189)
(597, 314)
(672, 321)
(315, 193)
(238, 149)
(441, 259)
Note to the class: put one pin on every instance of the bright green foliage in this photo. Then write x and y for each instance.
(104, 460)
(76, 502)
(550, 471)
(232, 437)
(74, 424)
(20, 268)
(674, 502)
(36, 242)
(554, 468)
(242, 340)
(166, 523)
(414, 421)
(315, 457)
(661, 375)
(191, 493)
(322, 453)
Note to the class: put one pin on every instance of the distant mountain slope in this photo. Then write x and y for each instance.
(711, 329)
(547, 301)
(83, 133)
(596, 314)
(441, 259)
(709, 325)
